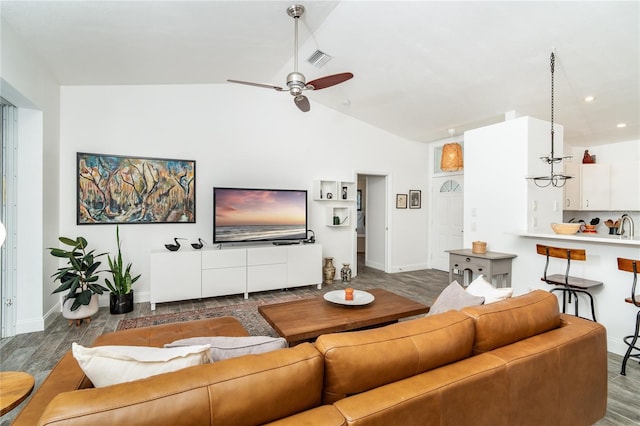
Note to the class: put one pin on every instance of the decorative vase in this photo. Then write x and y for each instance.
(84, 312)
(120, 303)
(328, 270)
(345, 273)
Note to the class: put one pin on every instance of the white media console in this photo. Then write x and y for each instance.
(194, 274)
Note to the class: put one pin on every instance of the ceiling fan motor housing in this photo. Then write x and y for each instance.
(296, 83)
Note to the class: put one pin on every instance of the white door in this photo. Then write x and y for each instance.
(447, 220)
(375, 255)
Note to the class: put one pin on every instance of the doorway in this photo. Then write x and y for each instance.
(371, 242)
(448, 219)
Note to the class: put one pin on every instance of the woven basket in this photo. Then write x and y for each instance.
(479, 247)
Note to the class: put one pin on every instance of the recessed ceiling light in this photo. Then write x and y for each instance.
(589, 98)
(621, 125)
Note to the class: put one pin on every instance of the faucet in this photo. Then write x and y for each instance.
(625, 217)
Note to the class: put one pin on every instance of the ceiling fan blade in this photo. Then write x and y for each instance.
(328, 81)
(302, 102)
(266, 86)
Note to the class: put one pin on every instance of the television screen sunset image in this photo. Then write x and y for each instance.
(259, 214)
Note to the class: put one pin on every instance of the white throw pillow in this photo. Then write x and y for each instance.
(109, 365)
(224, 347)
(454, 297)
(481, 287)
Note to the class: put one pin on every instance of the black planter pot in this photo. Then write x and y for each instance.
(121, 303)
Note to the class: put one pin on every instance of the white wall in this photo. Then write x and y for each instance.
(26, 83)
(498, 199)
(239, 137)
(497, 159)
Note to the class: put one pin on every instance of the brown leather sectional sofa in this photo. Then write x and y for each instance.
(514, 362)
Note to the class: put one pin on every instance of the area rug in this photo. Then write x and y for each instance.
(246, 313)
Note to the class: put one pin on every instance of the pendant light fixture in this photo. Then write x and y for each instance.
(451, 160)
(554, 179)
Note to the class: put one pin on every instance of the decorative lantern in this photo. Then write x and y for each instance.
(451, 157)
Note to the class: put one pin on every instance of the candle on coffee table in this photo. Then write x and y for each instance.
(348, 294)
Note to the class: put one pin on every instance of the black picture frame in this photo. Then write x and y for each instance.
(415, 199)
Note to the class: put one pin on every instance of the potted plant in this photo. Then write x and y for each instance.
(121, 297)
(79, 279)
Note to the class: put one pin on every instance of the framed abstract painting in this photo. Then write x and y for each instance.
(126, 190)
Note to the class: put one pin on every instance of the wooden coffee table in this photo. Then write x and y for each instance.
(303, 320)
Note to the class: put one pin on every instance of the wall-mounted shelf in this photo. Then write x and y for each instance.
(333, 190)
(338, 216)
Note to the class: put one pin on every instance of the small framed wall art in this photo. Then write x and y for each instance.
(123, 189)
(415, 199)
(401, 201)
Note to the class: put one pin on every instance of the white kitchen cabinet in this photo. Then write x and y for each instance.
(625, 186)
(596, 187)
(572, 189)
(175, 275)
(608, 187)
(193, 274)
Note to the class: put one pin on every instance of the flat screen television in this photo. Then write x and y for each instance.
(246, 214)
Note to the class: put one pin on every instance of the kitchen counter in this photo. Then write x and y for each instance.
(592, 238)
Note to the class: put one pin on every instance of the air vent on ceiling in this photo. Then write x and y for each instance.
(319, 58)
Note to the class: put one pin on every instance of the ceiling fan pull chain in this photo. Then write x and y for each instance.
(553, 66)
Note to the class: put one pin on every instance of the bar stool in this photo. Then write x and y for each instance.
(630, 265)
(568, 285)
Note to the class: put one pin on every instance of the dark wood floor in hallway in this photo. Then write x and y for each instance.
(36, 353)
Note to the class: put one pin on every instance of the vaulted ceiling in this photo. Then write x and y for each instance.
(421, 67)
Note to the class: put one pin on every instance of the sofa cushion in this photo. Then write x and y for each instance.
(158, 335)
(223, 347)
(108, 365)
(453, 297)
(510, 320)
(361, 360)
(482, 288)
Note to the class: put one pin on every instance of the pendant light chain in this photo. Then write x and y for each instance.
(553, 179)
(553, 63)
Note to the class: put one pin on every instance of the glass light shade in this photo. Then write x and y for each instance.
(451, 157)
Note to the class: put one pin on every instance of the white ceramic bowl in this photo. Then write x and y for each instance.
(565, 228)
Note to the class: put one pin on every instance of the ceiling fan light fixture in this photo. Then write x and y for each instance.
(452, 159)
(296, 81)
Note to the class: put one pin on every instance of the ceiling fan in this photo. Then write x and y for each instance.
(296, 81)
